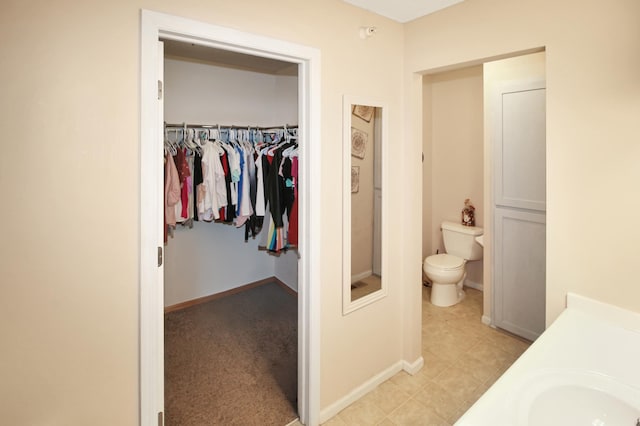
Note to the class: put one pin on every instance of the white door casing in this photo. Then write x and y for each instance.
(155, 26)
(519, 211)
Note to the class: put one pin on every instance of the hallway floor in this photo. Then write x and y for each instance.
(462, 359)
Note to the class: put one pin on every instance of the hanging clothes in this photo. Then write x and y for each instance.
(197, 181)
(279, 193)
(292, 236)
(244, 177)
(212, 194)
(171, 194)
(184, 175)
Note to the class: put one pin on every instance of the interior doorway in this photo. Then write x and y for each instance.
(458, 165)
(156, 26)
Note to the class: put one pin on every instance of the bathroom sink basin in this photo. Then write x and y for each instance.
(577, 405)
(579, 399)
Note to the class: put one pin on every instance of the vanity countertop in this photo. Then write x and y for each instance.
(584, 367)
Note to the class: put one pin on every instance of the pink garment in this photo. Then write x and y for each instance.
(171, 191)
(183, 175)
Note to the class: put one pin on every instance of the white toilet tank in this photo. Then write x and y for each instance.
(460, 240)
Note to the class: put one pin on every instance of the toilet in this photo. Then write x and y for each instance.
(447, 271)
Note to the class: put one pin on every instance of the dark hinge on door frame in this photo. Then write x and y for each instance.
(159, 256)
(159, 90)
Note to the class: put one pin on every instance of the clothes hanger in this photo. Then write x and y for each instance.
(171, 145)
(288, 152)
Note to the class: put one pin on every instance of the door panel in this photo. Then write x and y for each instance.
(520, 249)
(521, 158)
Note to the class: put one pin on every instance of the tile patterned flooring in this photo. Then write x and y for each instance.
(462, 359)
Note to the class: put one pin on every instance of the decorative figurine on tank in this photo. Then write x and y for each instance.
(468, 214)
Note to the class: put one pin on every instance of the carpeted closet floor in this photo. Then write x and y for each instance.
(233, 361)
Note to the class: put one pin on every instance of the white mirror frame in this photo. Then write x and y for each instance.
(348, 305)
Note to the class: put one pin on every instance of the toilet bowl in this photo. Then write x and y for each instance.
(447, 274)
(447, 271)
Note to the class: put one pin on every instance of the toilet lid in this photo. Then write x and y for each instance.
(445, 261)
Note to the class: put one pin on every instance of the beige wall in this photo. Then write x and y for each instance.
(593, 105)
(427, 160)
(520, 68)
(453, 102)
(70, 179)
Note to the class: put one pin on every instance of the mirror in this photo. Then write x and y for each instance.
(364, 143)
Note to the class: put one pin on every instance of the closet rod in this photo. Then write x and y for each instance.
(215, 126)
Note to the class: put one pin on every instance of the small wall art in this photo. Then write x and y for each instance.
(355, 179)
(363, 111)
(358, 142)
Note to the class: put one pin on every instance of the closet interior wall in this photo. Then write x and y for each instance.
(213, 257)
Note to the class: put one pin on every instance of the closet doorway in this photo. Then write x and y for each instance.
(230, 301)
(157, 27)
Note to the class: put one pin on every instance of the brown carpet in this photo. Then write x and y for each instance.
(233, 361)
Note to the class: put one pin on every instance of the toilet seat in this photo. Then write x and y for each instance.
(445, 262)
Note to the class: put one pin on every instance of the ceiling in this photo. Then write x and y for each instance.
(403, 10)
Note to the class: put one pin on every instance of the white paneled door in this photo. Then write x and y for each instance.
(520, 209)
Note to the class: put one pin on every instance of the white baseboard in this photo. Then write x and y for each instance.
(472, 284)
(360, 276)
(486, 320)
(362, 390)
(414, 367)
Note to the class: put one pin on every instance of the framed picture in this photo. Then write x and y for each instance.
(358, 142)
(355, 179)
(363, 111)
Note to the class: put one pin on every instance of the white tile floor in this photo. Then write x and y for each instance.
(462, 358)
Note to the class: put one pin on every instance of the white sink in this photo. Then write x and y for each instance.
(578, 405)
(577, 398)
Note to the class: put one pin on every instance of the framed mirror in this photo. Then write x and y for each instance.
(364, 171)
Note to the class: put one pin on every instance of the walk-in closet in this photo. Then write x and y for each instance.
(230, 256)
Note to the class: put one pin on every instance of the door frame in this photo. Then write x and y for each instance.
(155, 25)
